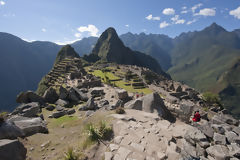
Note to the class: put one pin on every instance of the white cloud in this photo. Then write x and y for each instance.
(66, 42)
(206, 12)
(127, 25)
(27, 40)
(93, 30)
(168, 11)
(235, 13)
(176, 20)
(192, 21)
(2, 3)
(164, 24)
(9, 15)
(184, 8)
(150, 17)
(78, 35)
(196, 7)
(44, 30)
(184, 12)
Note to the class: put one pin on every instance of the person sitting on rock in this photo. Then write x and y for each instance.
(197, 117)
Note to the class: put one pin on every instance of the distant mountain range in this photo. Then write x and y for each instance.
(207, 60)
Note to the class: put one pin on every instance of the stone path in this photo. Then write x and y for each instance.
(143, 136)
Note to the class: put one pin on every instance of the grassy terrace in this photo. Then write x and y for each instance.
(117, 80)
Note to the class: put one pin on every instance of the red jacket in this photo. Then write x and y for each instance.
(196, 117)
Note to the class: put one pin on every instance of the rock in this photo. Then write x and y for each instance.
(89, 113)
(71, 111)
(134, 104)
(232, 137)
(122, 153)
(189, 149)
(218, 128)
(82, 96)
(58, 114)
(186, 109)
(97, 92)
(154, 103)
(236, 130)
(206, 129)
(179, 89)
(113, 147)
(50, 107)
(137, 147)
(63, 93)
(218, 152)
(50, 95)
(103, 103)
(194, 135)
(10, 131)
(234, 150)
(12, 150)
(91, 105)
(62, 102)
(178, 94)
(73, 96)
(32, 126)
(121, 94)
(27, 110)
(161, 156)
(28, 97)
(59, 108)
(119, 103)
(118, 139)
(45, 144)
(223, 118)
(219, 139)
(108, 156)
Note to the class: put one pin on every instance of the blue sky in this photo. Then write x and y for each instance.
(64, 21)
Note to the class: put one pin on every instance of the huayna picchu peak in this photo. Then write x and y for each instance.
(110, 48)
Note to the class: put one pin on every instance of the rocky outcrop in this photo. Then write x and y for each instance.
(31, 126)
(90, 105)
(50, 95)
(28, 97)
(27, 110)
(151, 103)
(12, 150)
(9, 131)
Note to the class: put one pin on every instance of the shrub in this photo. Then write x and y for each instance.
(102, 132)
(120, 110)
(70, 155)
(3, 116)
(211, 98)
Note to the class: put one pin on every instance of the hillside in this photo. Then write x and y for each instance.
(110, 48)
(22, 64)
(157, 46)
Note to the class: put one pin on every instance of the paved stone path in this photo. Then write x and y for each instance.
(143, 136)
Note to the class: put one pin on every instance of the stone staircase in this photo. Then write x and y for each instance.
(59, 73)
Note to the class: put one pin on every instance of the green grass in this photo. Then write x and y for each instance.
(120, 83)
(63, 119)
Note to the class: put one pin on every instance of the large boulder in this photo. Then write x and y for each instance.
(10, 131)
(154, 103)
(50, 95)
(63, 93)
(195, 136)
(122, 94)
(62, 102)
(28, 97)
(206, 129)
(28, 110)
(185, 110)
(97, 92)
(12, 150)
(224, 118)
(134, 104)
(219, 152)
(82, 96)
(32, 126)
(90, 105)
(58, 114)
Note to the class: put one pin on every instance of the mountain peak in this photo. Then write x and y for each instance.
(66, 51)
(214, 28)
